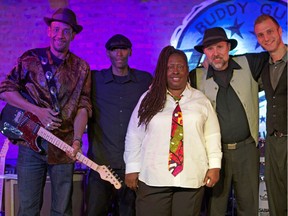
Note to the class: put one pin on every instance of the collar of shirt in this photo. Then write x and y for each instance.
(283, 59)
(109, 76)
(231, 66)
(55, 60)
(223, 77)
(186, 93)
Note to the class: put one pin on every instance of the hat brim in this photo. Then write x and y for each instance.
(76, 28)
(233, 43)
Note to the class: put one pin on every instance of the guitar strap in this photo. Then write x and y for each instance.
(49, 75)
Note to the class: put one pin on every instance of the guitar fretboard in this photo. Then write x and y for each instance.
(3, 154)
(65, 147)
(104, 172)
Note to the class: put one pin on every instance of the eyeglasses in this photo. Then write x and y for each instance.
(172, 67)
(66, 32)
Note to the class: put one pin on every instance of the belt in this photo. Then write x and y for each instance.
(236, 145)
(279, 134)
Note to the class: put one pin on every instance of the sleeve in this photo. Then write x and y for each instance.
(133, 141)
(212, 138)
(85, 97)
(14, 78)
(256, 63)
(192, 78)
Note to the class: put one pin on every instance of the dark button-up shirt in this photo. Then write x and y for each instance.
(231, 114)
(113, 101)
(276, 69)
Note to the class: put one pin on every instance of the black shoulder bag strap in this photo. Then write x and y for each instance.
(50, 81)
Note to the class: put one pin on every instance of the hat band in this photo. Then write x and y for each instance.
(62, 17)
(214, 38)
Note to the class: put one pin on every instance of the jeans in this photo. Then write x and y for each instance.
(32, 170)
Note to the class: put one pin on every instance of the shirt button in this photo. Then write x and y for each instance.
(120, 111)
(274, 106)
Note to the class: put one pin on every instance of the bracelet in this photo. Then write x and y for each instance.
(79, 140)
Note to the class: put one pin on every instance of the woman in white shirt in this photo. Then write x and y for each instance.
(162, 189)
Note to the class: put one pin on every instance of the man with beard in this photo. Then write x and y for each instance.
(62, 107)
(114, 94)
(230, 82)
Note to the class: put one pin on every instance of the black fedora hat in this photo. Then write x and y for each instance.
(67, 16)
(215, 35)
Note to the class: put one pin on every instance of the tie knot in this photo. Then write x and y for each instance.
(177, 98)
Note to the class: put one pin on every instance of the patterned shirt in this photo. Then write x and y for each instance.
(73, 82)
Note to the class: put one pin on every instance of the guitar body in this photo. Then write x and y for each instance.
(16, 125)
(20, 125)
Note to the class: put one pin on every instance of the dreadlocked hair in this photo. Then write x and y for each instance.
(155, 99)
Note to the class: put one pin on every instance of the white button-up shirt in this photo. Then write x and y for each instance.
(147, 151)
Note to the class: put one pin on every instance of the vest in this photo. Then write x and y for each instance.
(245, 87)
(276, 102)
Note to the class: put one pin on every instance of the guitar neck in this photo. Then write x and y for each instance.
(2, 168)
(45, 134)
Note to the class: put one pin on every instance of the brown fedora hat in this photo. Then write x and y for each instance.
(215, 35)
(64, 15)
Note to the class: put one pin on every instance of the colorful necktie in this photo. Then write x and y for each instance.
(176, 154)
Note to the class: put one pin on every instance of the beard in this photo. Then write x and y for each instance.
(221, 63)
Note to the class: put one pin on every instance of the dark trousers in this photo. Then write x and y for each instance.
(168, 201)
(240, 170)
(103, 199)
(276, 174)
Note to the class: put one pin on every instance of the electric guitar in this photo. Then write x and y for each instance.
(17, 124)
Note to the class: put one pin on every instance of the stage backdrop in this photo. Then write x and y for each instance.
(150, 24)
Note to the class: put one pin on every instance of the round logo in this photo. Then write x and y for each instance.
(235, 16)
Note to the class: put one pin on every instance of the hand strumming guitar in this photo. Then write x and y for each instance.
(48, 118)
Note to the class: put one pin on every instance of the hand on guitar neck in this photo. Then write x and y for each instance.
(76, 145)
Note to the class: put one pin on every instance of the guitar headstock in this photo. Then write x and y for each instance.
(108, 175)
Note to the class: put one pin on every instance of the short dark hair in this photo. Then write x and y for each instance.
(264, 17)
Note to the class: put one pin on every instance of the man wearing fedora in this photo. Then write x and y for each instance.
(57, 85)
(114, 94)
(230, 82)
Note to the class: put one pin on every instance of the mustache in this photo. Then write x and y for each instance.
(217, 57)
